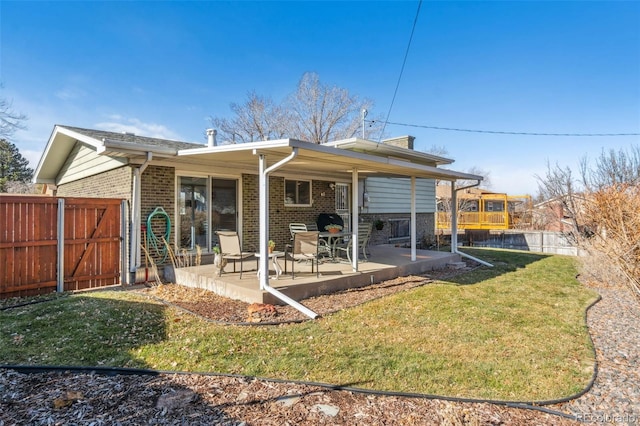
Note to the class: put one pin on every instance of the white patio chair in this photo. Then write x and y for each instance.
(231, 249)
(305, 247)
(323, 247)
(297, 227)
(364, 233)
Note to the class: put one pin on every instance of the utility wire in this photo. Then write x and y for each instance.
(499, 132)
(406, 54)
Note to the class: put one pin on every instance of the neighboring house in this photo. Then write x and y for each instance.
(255, 188)
(482, 209)
(553, 215)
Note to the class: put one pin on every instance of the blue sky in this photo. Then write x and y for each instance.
(162, 68)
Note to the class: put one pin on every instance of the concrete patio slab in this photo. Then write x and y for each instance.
(384, 262)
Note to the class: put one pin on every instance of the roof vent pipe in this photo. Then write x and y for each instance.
(211, 137)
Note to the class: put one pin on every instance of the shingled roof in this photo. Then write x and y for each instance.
(132, 138)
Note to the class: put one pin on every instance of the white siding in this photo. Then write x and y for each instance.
(391, 195)
(83, 162)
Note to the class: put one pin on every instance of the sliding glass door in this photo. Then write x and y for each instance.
(192, 209)
(203, 201)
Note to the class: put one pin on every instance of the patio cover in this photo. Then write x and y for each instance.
(346, 160)
(335, 160)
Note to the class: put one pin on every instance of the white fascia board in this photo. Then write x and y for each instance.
(246, 146)
(52, 149)
(47, 148)
(80, 137)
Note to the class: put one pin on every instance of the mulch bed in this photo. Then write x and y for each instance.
(221, 309)
(192, 399)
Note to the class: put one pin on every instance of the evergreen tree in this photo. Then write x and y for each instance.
(13, 166)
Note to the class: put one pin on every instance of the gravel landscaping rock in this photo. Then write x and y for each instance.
(614, 325)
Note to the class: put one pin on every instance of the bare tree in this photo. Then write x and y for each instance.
(475, 170)
(439, 150)
(560, 188)
(604, 207)
(322, 113)
(314, 113)
(13, 166)
(10, 121)
(258, 118)
(611, 168)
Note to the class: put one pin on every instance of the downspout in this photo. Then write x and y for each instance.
(413, 221)
(263, 187)
(454, 223)
(134, 248)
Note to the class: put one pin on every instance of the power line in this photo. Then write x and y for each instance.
(499, 132)
(406, 54)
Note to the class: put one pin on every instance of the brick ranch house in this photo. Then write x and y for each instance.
(255, 188)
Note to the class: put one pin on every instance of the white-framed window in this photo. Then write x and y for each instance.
(297, 192)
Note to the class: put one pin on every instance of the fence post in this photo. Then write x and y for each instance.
(60, 269)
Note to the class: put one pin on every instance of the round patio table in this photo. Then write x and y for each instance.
(274, 255)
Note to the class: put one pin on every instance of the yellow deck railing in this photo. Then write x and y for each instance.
(475, 220)
(494, 211)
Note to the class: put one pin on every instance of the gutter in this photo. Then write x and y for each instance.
(134, 248)
(264, 230)
(454, 223)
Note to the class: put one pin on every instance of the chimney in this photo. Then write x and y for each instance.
(401, 141)
(211, 138)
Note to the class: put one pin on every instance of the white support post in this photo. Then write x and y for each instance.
(412, 225)
(454, 218)
(355, 220)
(134, 228)
(263, 188)
(135, 254)
(263, 198)
(454, 224)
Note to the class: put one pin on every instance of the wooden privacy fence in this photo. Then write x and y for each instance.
(52, 244)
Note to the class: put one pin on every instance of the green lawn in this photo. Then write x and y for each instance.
(514, 332)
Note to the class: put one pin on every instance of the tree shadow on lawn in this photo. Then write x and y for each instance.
(503, 261)
(94, 329)
(68, 355)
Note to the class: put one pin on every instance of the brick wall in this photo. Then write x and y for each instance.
(250, 212)
(279, 215)
(158, 190)
(116, 183)
(401, 141)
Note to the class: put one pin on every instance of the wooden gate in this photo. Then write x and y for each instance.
(36, 259)
(91, 243)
